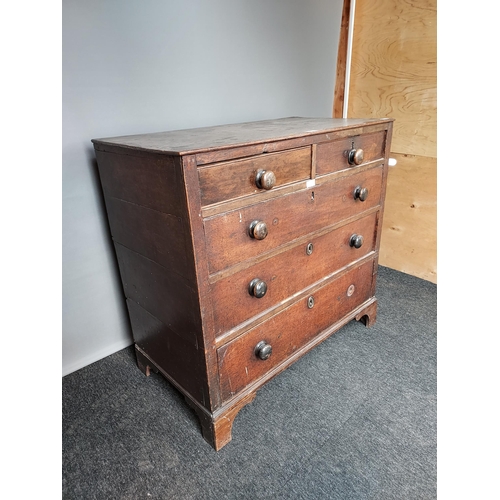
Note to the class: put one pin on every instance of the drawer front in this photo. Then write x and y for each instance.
(289, 272)
(291, 329)
(287, 218)
(229, 180)
(333, 156)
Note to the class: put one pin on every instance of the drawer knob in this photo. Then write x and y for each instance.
(355, 156)
(257, 288)
(265, 179)
(360, 193)
(258, 229)
(263, 350)
(356, 241)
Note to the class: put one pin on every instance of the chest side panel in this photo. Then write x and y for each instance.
(148, 216)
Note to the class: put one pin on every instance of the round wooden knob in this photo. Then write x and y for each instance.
(263, 350)
(265, 179)
(356, 241)
(257, 288)
(360, 193)
(356, 156)
(258, 229)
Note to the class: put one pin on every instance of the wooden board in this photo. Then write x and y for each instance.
(339, 93)
(393, 74)
(210, 139)
(409, 227)
(393, 70)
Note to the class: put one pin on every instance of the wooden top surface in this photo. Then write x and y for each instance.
(198, 140)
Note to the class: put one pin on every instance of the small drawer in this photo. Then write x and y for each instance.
(229, 180)
(334, 156)
(289, 272)
(235, 236)
(240, 362)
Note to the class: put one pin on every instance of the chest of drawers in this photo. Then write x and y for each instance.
(241, 247)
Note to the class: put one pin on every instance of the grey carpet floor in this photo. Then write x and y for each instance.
(353, 419)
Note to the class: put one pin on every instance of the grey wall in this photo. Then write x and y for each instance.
(143, 66)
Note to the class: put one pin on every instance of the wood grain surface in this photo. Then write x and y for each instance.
(291, 329)
(393, 70)
(229, 180)
(393, 74)
(211, 139)
(289, 272)
(410, 224)
(186, 274)
(287, 218)
(333, 156)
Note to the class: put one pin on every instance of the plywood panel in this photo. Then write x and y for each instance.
(393, 74)
(408, 241)
(393, 71)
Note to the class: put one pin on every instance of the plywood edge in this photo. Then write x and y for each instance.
(339, 92)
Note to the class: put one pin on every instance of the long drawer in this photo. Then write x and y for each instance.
(289, 272)
(287, 218)
(287, 331)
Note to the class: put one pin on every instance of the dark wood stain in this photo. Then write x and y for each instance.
(287, 218)
(332, 156)
(288, 273)
(171, 351)
(164, 239)
(225, 181)
(179, 206)
(291, 329)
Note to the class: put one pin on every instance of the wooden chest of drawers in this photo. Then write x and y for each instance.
(241, 247)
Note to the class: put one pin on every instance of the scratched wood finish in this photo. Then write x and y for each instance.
(150, 181)
(211, 140)
(217, 427)
(171, 351)
(183, 313)
(166, 295)
(287, 218)
(333, 156)
(289, 272)
(410, 204)
(226, 181)
(311, 137)
(291, 329)
(163, 239)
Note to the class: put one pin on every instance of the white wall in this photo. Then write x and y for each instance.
(142, 66)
